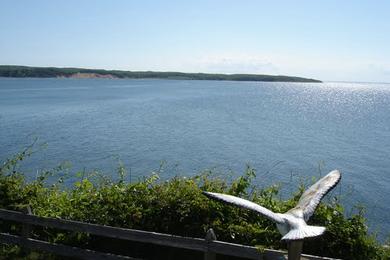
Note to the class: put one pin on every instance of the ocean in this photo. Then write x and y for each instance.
(287, 131)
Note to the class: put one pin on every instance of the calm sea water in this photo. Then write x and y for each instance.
(284, 130)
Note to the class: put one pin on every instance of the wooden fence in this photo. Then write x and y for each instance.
(209, 245)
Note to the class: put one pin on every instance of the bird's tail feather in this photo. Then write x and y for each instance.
(303, 232)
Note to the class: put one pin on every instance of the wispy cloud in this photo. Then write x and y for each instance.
(235, 63)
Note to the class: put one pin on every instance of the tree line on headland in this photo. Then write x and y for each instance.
(53, 72)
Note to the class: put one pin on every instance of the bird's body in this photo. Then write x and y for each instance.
(294, 227)
(292, 224)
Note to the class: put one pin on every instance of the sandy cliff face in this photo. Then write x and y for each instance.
(80, 75)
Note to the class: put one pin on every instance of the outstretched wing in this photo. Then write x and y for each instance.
(312, 196)
(245, 204)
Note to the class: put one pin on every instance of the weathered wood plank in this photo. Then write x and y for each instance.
(59, 249)
(234, 250)
(251, 252)
(197, 244)
(107, 231)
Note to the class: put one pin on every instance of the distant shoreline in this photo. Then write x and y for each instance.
(54, 72)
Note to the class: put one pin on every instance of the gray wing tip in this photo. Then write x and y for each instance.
(207, 193)
(222, 198)
(336, 174)
(335, 177)
(211, 195)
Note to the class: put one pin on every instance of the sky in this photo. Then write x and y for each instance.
(329, 40)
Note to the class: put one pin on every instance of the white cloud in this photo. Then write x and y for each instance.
(312, 65)
(234, 63)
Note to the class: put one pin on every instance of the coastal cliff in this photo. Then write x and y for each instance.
(53, 72)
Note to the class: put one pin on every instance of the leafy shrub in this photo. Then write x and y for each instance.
(177, 206)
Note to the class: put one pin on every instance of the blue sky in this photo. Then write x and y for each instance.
(329, 40)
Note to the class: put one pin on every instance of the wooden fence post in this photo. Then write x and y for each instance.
(210, 236)
(26, 228)
(295, 249)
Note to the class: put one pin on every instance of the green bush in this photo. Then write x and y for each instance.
(176, 206)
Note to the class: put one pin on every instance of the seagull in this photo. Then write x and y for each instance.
(292, 224)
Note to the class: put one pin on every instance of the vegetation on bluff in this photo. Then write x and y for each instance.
(52, 72)
(175, 206)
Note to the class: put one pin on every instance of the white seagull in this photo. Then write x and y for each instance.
(292, 224)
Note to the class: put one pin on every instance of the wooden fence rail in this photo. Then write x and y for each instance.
(210, 246)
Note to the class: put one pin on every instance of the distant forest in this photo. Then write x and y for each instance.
(52, 72)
